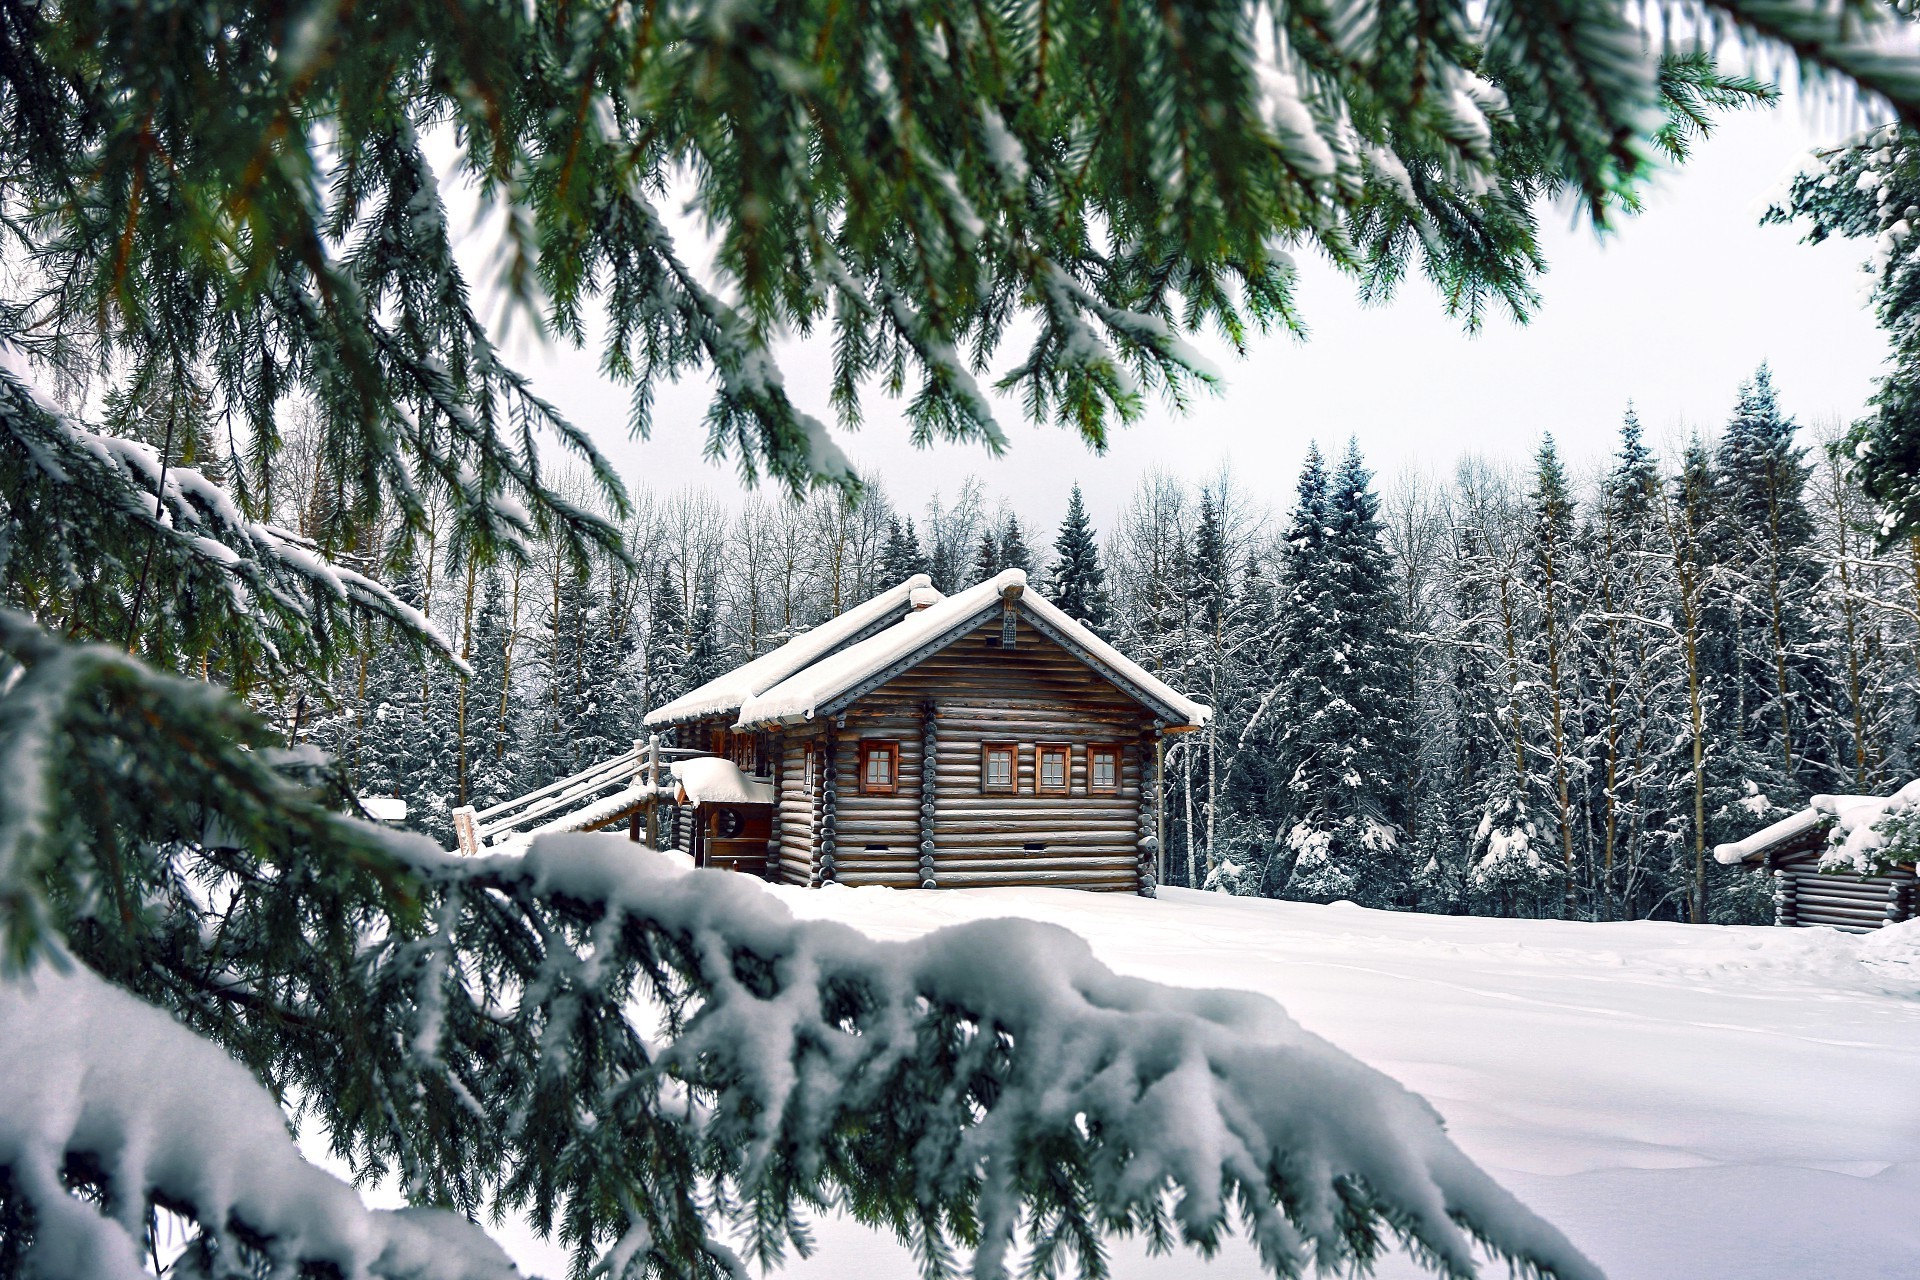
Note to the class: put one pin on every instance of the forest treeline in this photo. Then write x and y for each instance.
(1506, 692)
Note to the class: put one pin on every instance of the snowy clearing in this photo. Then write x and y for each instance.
(1682, 1101)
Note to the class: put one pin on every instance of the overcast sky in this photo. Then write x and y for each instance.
(1672, 311)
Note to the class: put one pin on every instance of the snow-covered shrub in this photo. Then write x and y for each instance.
(1506, 862)
(1871, 836)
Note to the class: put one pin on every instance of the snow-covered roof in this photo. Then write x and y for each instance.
(1855, 820)
(713, 780)
(385, 808)
(1792, 827)
(807, 692)
(725, 694)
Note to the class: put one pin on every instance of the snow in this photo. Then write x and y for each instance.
(712, 780)
(1790, 827)
(1199, 1092)
(1856, 841)
(88, 1068)
(725, 693)
(800, 696)
(1859, 835)
(1682, 1101)
(385, 808)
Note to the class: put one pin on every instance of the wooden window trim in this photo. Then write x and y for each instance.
(1119, 768)
(809, 768)
(1040, 753)
(1012, 786)
(888, 747)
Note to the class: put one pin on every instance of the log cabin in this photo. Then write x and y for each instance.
(926, 741)
(1809, 885)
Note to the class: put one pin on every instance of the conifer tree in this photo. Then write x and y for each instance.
(668, 639)
(1551, 571)
(1340, 733)
(1014, 552)
(1078, 582)
(902, 557)
(1625, 597)
(986, 557)
(493, 766)
(1766, 536)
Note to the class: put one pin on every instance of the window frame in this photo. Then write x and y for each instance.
(809, 768)
(1041, 751)
(1012, 785)
(1119, 768)
(888, 747)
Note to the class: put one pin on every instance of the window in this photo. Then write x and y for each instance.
(996, 766)
(810, 769)
(879, 766)
(1103, 768)
(1052, 766)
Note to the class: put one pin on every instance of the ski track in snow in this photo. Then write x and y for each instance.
(1683, 1102)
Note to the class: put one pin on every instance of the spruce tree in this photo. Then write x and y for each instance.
(668, 641)
(1630, 684)
(1014, 552)
(986, 558)
(493, 758)
(1078, 582)
(1341, 733)
(901, 558)
(1557, 656)
(1766, 537)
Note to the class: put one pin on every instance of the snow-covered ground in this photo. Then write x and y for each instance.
(1683, 1102)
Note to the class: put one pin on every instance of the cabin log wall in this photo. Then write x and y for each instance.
(1036, 693)
(1805, 895)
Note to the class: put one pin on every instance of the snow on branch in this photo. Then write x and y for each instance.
(109, 1108)
(994, 1081)
(115, 500)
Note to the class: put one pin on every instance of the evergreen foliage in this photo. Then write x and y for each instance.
(1078, 583)
(902, 557)
(219, 215)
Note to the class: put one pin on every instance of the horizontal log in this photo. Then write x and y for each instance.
(1839, 895)
(1840, 888)
(1836, 920)
(1018, 833)
(1110, 863)
(1038, 808)
(1016, 876)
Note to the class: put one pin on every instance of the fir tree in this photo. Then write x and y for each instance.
(1341, 733)
(668, 641)
(1079, 583)
(1014, 552)
(1767, 535)
(492, 765)
(902, 557)
(986, 558)
(1551, 560)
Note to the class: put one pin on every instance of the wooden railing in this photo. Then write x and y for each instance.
(597, 796)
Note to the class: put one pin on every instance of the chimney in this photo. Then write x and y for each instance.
(921, 597)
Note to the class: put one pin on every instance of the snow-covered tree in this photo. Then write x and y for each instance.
(1337, 727)
(1078, 583)
(902, 558)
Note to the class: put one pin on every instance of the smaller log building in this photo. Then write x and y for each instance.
(923, 740)
(1804, 893)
